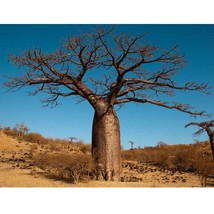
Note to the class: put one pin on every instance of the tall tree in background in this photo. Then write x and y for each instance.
(105, 69)
(208, 127)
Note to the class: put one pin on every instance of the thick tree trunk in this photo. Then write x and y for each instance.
(211, 136)
(106, 144)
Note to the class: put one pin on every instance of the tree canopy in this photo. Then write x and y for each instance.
(104, 65)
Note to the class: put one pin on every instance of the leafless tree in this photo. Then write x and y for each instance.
(208, 127)
(72, 139)
(132, 143)
(20, 130)
(107, 70)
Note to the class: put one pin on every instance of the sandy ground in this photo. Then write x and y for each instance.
(10, 177)
(23, 178)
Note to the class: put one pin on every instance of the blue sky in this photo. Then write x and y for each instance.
(144, 124)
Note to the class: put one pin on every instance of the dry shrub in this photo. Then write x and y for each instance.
(128, 154)
(204, 167)
(175, 157)
(21, 131)
(183, 158)
(171, 157)
(70, 168)
(35, 138)
(8, 131)
(61, 145)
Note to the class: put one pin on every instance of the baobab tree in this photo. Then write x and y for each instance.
(208, 127)
(72, 139)
(107, 70)
(132, 143)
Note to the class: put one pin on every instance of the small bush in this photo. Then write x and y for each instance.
(204, 168)
(184, 159)
(35, 138)
(70, 168)
(8, 131)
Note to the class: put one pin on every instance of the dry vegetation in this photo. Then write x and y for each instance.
(43, 161)
(194, 158)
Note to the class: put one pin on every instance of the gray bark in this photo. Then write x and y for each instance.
(106, 142)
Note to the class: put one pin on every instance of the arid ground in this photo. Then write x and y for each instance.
(17, 170)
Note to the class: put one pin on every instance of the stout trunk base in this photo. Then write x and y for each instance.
(106, 145)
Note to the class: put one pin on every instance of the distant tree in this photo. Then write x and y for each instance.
(208, 127)
(132, 144)
(161, 143)
(20, 130)
(72, 139)
(107, 70)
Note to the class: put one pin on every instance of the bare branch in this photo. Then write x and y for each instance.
(127, 50)
(99, 65)
(205, 126)
(180, 107)
(190, 86)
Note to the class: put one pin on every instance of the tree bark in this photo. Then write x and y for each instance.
(106, 143)
(211, 137)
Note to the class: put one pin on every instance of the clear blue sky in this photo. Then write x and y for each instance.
(144, 124)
